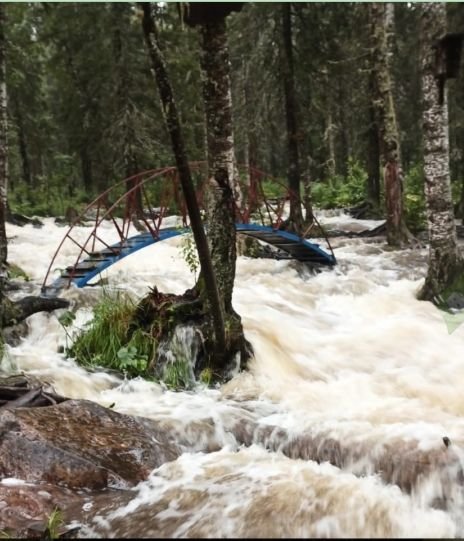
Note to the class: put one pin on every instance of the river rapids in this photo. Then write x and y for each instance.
(352, 389)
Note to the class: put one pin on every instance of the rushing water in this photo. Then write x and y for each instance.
(346, 359)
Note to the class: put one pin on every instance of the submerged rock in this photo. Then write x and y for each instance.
(70, 456)
(80, 444)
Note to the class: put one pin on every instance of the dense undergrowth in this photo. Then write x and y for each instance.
(54, 199)
(338, 192)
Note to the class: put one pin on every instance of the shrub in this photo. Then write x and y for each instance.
(338, 192)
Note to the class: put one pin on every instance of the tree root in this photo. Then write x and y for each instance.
(161, 314)
(18, 391)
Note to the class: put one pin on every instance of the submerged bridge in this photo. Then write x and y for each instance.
(139, 211)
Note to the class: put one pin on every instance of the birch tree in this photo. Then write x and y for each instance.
(445, 264)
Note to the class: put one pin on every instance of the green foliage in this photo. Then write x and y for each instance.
(206, 376)
(414, 198)
(129, 358)
(54, 523)
(190, 254)
(14, 272)
(273, 189)
(456, 189)
(47, 198)
(67, 318)
(339, 192)
(104, 343)
(177, 374)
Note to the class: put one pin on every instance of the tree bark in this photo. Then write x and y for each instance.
(3, 145)
(383, 103)
(221, 202)
(373, 149)
(178, 146)
(445, 265)
(223, 197)
(86, 166)
(15, 312)
(295, 222)
(22, 144)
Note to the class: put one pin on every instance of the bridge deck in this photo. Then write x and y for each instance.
(85, 270)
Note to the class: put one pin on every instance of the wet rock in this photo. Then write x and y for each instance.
(80, 444)
(25, 508)
(15, 333)
(402, 463)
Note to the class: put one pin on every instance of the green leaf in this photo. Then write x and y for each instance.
(66, 319)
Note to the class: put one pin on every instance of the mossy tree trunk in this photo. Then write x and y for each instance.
(3, 164)
(383, 103)
(373, 158)
(222, 193)
(3, 142)
(221, 202)
(445, 266)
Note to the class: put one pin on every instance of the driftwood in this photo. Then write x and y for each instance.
(15, 312)
(366, 233)
(21, 391)
(364, 210)
(20, 219)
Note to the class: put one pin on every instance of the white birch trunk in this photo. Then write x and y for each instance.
(443, 254)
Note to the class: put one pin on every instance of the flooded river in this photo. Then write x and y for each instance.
(349, 369)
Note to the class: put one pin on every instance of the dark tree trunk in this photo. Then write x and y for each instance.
(3, 145)
(344, 134)
(382, 101)
(331, 162)
(84, 100)
(86, 168)
(462, 199)
(22, 144)
(250, 142)
(126, 135)
(445, 266)
(295, 222)
(373, 153)
(178, 146)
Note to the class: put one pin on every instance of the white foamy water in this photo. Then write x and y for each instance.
(347, 355)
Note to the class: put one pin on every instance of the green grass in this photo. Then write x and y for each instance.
(103, 342)
(54, 523)
(15, 271)
(177, 374)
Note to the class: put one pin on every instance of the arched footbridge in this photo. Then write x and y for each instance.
(148, 208)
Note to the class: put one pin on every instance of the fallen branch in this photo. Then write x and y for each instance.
(15, 312)
(20, 392)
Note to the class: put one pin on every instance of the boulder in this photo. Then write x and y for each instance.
(81, 445)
